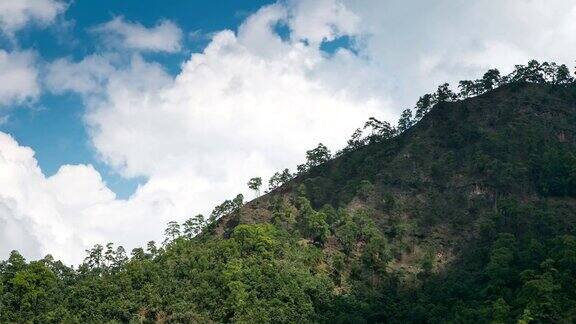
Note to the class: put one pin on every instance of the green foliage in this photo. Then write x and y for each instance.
(255, 276)
(500, 311)
(365, 187)
(255, 239)
(555, 172)
(228, 207)
(379, 130)
(313, 223)
(500, 269)
(279, 179)
(388, 202)
(172, 232)
(405, 121)
(255, 184)
(315, 157)
(193, 226)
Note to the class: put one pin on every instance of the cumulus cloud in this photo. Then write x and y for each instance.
(253, 101)
(417, 45)
(18, 77)
(16, 14)
(263, 106)
(322, 20)
(85, 77)
(69, 211)
(236, 110)
(166, 36)
(30, 219)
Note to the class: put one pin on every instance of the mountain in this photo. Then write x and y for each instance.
(467, 215)
(476, 203)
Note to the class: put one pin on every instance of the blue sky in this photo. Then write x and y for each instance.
(53, 126)
(143, 112)
(73, 36)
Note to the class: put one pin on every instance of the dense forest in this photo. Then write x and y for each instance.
(465, 212)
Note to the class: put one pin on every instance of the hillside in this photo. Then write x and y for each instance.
(497, 171)
(440, 177)
(467, 216)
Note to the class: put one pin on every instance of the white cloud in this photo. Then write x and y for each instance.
(118, 33)
(235, 111)
(16, 14)
(416, 45)
(85, 77)
(70, 211)
(232, 106)
(18, 77)
(321, 20)
(30, 220)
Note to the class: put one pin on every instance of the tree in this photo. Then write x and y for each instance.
(237, 203)
(274, 181)
(94, 260)
(255, 184)
(226, 208)
(302, 168)
(317, 227)
(313, 222)
(254, 239)
(534, 72)
(562, 75)
(424, 104)
(33, 288)
(317, 156)
(171, 232)
(549, 71)
(500, 311)
(193, 226)
(539, 294)
(120, 258)
(356, 141)
(347, 233)
(109, 255)
(467, 89)
(500, 268)
(490, 80)
(16, 262)
(151, 248)
(555, 173)
(405, 121)
(444, 94)
(138, 254)
(286, 176)
(378, 130)
(519, 73)
(279, 179)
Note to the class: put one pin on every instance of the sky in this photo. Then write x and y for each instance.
(119, 116)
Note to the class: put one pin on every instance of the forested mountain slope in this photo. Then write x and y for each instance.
(475, 203)
(469, 215)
